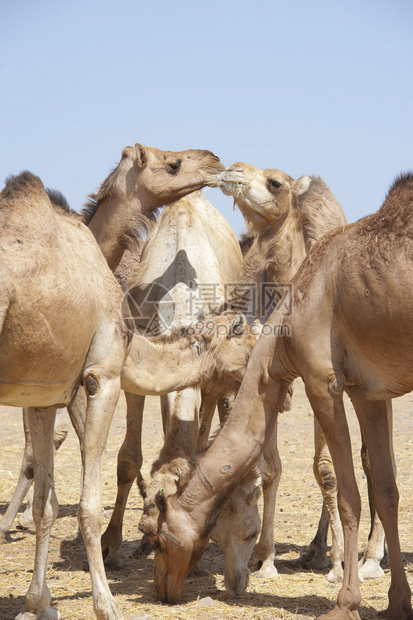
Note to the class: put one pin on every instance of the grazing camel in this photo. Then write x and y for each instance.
(47, 260)
(123, 209)
(185, 265)
(236, 528)
(370, 358)
(285, 218)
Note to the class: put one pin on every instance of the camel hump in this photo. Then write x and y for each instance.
(58, 200)
(21, 183)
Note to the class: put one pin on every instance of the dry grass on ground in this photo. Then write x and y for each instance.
(294, 594)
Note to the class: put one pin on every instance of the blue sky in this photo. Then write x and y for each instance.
(308, 86)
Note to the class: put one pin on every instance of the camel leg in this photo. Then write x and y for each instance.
(264, 553)
(373, 418)
(101, 403)
(45, 509)
(315, 557)
(326, 479)
(209, 401)
(129, 469)
(180, 415)
(61, 429)
(375, 549)
(23, 484)
(330, 413)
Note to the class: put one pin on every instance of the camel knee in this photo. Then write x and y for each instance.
(45, 512)
(386, 498)
(272, 475)
(324, 473)
(128, 468)
(28, 471)
(89, 517)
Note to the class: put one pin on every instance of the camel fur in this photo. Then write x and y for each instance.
(124, 209)
(284, 218)
(186, 262)
(363, 271)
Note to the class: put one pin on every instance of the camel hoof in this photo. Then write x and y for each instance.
(335, 575)
(50, 613)
(266, 571)
(391, 613)
(339, 614)
(311, 561)
(371, 570)
(113, 562)
(26, 521)
(75, 538)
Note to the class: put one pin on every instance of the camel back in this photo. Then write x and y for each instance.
(377, 236)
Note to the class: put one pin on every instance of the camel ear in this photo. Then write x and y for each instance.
(301, 185)
(141, 157)
(254, 496)
(237, 326)
(160, 501)
(180, 468)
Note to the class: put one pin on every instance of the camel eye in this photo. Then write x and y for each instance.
(275, 184)
(174, 166)
(251, 536)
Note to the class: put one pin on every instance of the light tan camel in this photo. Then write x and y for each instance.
(186, 263)
(47, 260)
(124, 208)
(145, 179)
(285, 218)
(370, 358)
(238, 524)
(61, 325)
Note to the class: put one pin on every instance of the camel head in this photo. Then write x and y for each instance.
(162, 177)
(175, 553)
(178, 546)
(237, 529)
(167, 479)
(229, 344)
(263, 196)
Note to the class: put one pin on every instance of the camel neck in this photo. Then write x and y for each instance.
(283, 249)
(241, 441)
(108, 226)
(176, 367)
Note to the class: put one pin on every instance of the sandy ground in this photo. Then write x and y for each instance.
(294, 594)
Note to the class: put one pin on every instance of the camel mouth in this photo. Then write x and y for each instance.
(231, 186)
(213, 175)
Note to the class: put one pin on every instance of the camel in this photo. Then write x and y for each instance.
(237, 526)
(370, 358)
(124, 209)
(42, 365)
(61, 324)
(284, 218)
(144, 180)
(185, 265)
